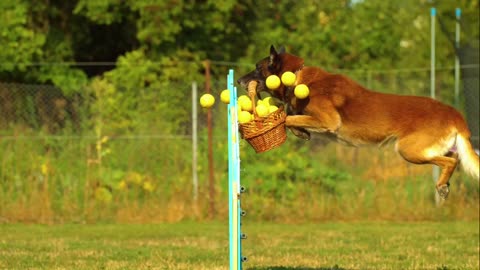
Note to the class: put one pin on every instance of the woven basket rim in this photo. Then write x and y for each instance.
(267, 123)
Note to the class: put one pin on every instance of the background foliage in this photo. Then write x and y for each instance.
(109, 140)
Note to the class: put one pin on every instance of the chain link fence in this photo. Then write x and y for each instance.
(45, 111)
(471, 85)
(37, 107)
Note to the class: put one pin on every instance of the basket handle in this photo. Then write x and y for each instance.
(252, 91)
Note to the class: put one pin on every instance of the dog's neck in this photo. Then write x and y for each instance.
(287, 91)
(292, 63)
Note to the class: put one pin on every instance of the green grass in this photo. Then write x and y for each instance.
(188, 245)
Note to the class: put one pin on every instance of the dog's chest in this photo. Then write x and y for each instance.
(344, 137)
(348, 139)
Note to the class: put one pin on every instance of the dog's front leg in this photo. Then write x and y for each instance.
(300, 132)
(326, 123)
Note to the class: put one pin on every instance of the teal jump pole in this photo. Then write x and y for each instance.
(234, 190)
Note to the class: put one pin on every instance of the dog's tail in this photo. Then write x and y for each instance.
(468, 157)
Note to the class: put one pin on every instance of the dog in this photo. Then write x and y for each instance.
(424, 130)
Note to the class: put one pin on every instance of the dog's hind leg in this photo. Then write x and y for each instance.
(416, 149)
(448, 165)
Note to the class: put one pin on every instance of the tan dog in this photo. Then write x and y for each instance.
(425, 130)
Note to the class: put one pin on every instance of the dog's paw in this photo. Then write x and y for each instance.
(301, 133)
(443, 191)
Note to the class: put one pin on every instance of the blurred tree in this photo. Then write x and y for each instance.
(335, 34)
(20, 43)
(41, 39)
(373, 34)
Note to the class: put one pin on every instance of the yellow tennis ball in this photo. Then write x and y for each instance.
(242, 98)
(207, 100)
(272, 108)
(246, 105)
(272, 82)
(288, 78)
(262, 110)
(267, 101)
(244, 117)
(225, 96)
(301, 91)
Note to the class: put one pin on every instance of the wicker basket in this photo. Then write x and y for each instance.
(264, 133)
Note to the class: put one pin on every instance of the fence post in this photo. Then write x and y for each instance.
(211, 175)
(194, 143)
(435, 170)
(432, 54)
(458, 13)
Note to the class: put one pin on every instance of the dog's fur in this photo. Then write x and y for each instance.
(425, 130)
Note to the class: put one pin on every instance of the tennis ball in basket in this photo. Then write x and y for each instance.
(225, 96)
(272, 82)
(267, 101)
(242, 98)
(288, 78)
(262, 110)
(244, 117)
(301, 91)
(207, 100)
(246, 105)
(272, 108)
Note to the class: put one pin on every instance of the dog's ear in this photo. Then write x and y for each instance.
(273, 56)
(272, 50)
(282, 50)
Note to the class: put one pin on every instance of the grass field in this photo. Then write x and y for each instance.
(363, 245)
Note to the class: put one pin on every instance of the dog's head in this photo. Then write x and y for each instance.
(275, 64)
